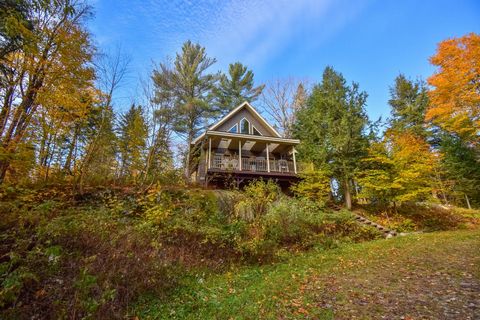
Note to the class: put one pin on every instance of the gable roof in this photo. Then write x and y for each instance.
(232, 113)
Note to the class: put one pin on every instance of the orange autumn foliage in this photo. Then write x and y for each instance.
(455, 98)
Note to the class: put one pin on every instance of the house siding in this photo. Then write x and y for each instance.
(245, 113)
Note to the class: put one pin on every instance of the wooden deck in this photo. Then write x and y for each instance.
(253, 165)
(245, 173)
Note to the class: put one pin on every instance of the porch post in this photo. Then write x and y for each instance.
(268, 159)
(209, 152)
(240, 155)
(294, 161)
(205, 152)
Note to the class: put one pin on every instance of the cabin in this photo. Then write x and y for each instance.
(243, 146)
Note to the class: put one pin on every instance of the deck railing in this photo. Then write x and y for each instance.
(252, 165)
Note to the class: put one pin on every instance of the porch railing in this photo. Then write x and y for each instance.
(252, 165)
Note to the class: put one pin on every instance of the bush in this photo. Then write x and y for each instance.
(260, 224)
(258, 197)
(76, 263)
(298, 224)
(314, 186)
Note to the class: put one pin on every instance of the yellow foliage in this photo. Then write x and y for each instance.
(400, 168)
(315, 185)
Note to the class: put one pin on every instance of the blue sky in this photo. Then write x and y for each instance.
(369, 41)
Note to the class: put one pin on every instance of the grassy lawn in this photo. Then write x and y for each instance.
(421, 276)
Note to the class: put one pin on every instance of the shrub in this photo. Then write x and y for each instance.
(258, 197)
(263, 222)
(298, 224)
(314, 186)
(76, 263)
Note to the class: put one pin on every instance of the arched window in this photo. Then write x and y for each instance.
(244, 126)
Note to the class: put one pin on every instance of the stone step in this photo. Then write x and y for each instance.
(388, 233)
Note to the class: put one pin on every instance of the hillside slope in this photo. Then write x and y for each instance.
(424, 276)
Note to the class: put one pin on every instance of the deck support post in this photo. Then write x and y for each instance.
(268, 159)
(209, 158)
(240, 155)
(294, 161)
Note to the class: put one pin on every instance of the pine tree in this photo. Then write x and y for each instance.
(98, 142)
(331, 127)
(190, 86)
(300, 97)
(409, 102)
(235, 88)
(461, 169)
(133, 133)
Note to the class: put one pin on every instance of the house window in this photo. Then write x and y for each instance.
(233, 129)
(255, 131)
(244, 126)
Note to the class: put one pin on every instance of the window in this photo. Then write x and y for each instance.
(255, 131)
(233, 129)
(244, 126)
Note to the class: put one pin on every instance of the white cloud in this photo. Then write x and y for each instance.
(246, 30)
(254, 31)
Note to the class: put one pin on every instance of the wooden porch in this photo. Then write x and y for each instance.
(252, 164)
(240, 157)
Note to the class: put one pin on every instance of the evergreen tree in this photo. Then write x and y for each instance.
(300, 97)
(133, 133)
(190, 86)
(97, 136)
(15, 25)
(332, 129)
(159, 158)
(236, 87)
(409, 102)
(461, 169)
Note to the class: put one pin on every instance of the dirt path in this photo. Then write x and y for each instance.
(435, 278)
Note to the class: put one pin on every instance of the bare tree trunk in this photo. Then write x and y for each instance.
(468, 202)
(442, 187)
(50, 154)
(4, 164)
(348, 195)
(187, 157)
(4, 113)
(68, 162)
